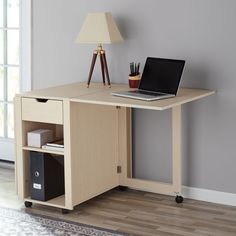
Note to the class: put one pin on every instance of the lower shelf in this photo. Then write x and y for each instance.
(42, 150)
(55, 202)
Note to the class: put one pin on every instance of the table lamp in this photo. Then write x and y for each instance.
(99, 28)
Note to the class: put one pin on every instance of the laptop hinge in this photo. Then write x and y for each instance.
(149, 91)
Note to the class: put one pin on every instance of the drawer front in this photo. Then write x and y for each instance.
(42, 110)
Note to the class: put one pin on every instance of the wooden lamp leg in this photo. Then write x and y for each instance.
(102, 68)
(106, 68)
(92, 67)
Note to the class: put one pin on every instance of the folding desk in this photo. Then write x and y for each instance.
(97, 137)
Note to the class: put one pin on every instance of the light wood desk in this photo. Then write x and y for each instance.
(96, 127)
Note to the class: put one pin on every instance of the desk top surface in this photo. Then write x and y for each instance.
(99, 94)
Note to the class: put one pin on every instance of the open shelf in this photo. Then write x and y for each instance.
(42, 150)
(55, 202)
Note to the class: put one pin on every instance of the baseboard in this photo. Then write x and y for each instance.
(209, 195)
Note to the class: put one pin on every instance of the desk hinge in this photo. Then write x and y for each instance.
(117, 107)
(118, 169)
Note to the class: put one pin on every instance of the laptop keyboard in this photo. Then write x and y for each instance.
(147, 93)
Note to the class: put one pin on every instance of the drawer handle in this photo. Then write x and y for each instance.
(42, 100)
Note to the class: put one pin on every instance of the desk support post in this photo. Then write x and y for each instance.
(19, 163)
(176, 148)
(125, 143)
(68, 161)
(125, 154)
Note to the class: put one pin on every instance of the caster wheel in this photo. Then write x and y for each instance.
(179, 199)
(122, 188)
(28, 204)
(64, 211)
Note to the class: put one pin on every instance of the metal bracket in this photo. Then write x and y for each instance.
(118, 169)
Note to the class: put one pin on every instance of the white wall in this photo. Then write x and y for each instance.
(200, 31)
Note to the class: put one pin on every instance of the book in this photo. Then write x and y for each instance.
(57, 143)
(53, 148)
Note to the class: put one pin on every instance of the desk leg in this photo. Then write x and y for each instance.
(68, 160)
(125, 145)
(176, 149)
(19, 163)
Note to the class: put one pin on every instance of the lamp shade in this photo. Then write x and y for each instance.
(99, 28)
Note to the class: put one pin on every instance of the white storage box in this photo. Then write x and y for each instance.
(39, 137)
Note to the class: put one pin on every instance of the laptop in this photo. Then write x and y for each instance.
(160, 79)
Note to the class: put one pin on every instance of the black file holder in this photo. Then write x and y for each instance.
(47, 176)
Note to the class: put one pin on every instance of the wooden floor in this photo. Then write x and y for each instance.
(136, 212)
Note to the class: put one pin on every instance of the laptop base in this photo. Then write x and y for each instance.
(141, 96)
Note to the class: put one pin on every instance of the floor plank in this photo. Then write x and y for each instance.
(135, 212)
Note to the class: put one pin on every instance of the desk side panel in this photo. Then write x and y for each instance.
(67, 154)
(94, 150)
(18, 144)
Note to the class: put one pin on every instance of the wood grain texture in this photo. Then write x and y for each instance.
(22, 158)
(176, 149)
(104, 97)
(135, 212)
(67, 91)
(48, 112)
(67, 157)
(42, 150)
(97, 137)
(126, 162)
(97, 93)
(94, 150)
(55, 202)
(18, 147)
(124, 143)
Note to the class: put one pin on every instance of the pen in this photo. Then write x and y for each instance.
(132, 68)
(138, 68)
(130, 64)
(135, 69)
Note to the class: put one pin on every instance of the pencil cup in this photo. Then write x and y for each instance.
(134, 81)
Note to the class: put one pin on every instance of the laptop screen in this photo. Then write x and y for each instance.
(162, 75)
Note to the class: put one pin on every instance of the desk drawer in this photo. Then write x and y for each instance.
(42, 110)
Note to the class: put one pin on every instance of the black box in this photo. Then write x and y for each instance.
(47, 176)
